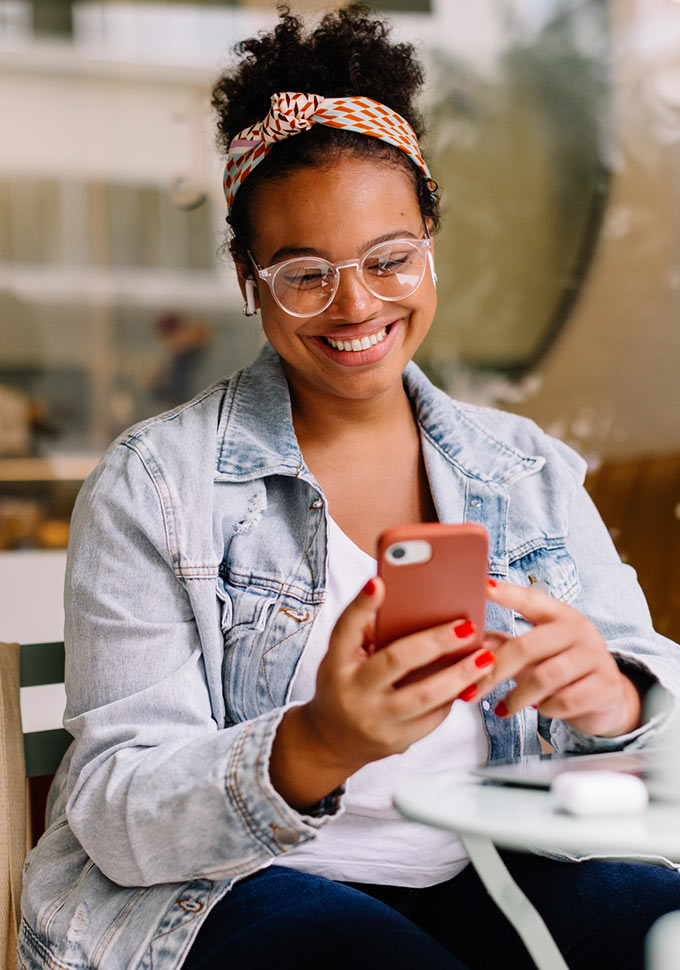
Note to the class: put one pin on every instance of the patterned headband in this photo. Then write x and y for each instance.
(292, 113)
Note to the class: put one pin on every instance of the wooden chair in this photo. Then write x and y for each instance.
(28, 760)
(639, 499)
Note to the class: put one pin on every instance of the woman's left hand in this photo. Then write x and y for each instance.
(561, 666)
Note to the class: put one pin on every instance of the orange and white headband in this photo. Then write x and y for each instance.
(292, 113)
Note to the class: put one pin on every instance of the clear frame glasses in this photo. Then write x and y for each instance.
(306, 285)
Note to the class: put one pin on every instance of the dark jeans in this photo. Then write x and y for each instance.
(279, 919)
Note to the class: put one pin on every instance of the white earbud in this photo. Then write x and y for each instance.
(250, 306)
(431, 262)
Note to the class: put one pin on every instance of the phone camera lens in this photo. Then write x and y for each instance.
(398, 552)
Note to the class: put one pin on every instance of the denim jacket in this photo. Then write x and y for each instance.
(197, 566)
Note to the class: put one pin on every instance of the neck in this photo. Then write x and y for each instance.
(325, 418)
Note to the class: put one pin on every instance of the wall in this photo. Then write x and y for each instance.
(610, 383)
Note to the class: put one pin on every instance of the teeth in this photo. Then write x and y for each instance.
(363, 344)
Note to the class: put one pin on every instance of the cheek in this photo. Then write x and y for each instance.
(277, 328)
(426, 305)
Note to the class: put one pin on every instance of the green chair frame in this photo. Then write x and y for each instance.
(39, 664)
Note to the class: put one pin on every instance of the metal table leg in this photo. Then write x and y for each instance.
(513, 903)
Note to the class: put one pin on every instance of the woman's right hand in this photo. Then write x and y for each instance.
(360, 711)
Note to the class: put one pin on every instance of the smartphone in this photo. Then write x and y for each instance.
(433, 573)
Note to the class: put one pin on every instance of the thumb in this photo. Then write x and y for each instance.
(355, 626)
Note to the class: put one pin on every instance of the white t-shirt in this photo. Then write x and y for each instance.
(369, 841)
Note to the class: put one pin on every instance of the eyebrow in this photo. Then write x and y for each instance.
(288, 252)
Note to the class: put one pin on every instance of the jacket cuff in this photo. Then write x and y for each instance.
(264, 813)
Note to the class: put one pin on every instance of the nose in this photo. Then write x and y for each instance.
(353, 301)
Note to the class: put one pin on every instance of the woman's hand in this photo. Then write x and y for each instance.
(561, 666)
(361, 712)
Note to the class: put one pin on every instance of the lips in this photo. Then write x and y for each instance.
(356, 349)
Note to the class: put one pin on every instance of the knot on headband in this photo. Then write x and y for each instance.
(292, 113)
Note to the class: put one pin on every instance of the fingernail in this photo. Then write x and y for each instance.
(485, 659)
(492, 583)
(369, 588)
(468, 693)
(500, 710)
(464, 629)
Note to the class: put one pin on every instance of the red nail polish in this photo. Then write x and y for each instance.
(500, 710)
(464, 629)
(485, 659)
(369, 588)
(492, 583)
(468, 693)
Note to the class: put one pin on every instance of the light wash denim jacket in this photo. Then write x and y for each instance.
(197, 565)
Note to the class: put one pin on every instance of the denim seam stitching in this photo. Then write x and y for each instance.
(160, 485)
(39, 945)
(167, 416)
(232, 787)
(533, 545)
(111, 931)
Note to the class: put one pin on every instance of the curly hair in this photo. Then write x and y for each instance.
(348, 54)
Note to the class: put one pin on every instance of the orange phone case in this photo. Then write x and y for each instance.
(449, 586)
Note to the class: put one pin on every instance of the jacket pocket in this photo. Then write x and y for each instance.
(550, 567)
(264, 635)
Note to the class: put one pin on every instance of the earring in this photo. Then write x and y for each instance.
(250, 306)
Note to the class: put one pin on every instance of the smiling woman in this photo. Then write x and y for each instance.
(227, 800)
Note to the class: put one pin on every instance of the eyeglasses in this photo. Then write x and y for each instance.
(306, 285)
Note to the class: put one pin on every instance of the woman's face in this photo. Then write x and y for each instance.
(338, 212)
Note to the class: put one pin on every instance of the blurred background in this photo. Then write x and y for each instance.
(554, 131)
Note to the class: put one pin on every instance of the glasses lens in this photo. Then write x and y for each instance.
(304, 286)
(394, 269)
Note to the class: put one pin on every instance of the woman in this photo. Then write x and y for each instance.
(227, 800)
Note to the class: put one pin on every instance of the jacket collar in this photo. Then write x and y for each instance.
(471, 438)
(256, 437)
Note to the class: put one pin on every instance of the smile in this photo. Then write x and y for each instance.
(362, 343)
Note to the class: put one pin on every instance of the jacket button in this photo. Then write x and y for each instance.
(284, 835)
(190, 905)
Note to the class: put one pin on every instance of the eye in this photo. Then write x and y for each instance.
(387, 262)
(304, 276)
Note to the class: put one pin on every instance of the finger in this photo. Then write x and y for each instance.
(535, 605)
(548, 681)
(437, 690)
(552, 675)
(401, 657)
(582, 697)
(518, 654)
(354, 627)
(494, 639)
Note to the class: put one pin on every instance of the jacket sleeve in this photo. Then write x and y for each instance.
(158, 790)
(612, 598)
